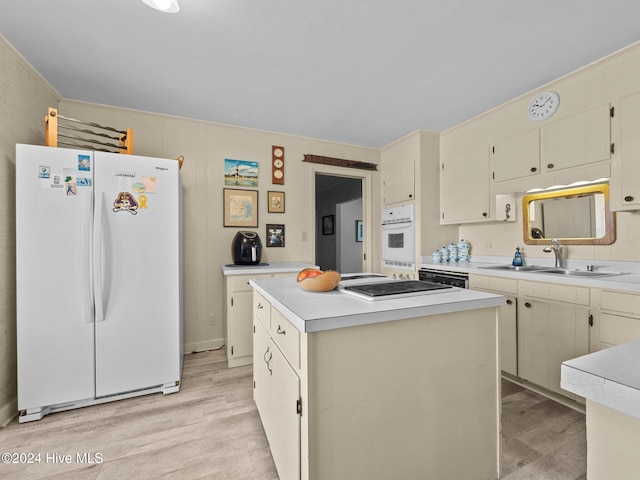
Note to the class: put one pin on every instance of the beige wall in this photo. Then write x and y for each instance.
(24, 97)
(207, 243)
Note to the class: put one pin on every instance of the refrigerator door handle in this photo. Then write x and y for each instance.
(97, 259)
(86, 267)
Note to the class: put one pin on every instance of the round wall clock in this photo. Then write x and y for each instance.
(543, 105)
(277, 165)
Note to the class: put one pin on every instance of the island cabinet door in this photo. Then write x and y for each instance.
(276, 393)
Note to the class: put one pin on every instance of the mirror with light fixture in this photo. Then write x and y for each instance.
(572, 215)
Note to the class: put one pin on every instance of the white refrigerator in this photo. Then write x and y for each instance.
(99, 277)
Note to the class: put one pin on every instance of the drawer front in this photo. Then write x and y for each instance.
(262, 310)
(616, 330)
(286, 336)
(554, 291)
(496, 284)
(240, 283)
(620, 302)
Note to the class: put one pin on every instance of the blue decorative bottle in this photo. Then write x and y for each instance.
(517, 258)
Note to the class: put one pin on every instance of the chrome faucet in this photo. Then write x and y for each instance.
(557, 251)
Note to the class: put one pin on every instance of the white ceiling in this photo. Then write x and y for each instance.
(363, 72)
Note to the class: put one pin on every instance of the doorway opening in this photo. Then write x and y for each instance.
(339, 223)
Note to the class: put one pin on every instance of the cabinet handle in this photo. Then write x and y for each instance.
(259, 306)
(534, 169)
(527, 304)
(268, 360)
(485, 214)
(281, 331)
(410, 195)
(509, 302)
(628, 198)
(550, 165)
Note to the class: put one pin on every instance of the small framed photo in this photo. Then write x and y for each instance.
(275, 202)
(359, 230)
(327, 224)
(275, 235)
(240, 208)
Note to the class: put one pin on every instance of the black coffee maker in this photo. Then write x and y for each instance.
(246, 248)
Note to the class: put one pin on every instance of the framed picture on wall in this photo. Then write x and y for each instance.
(327, 224)
(240, 208)
(240, 173)
(275, 235)
(275, 202)
(359, 230)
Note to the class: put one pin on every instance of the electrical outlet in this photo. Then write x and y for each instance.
(212, 320)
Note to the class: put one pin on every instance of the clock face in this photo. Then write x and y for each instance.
(278, 173)
(278, 163)
(543, 105)
(277, 152)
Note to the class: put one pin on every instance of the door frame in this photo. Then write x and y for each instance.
(366, 179)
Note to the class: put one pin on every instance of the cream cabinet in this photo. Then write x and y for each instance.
(238, 312)
(577, 140)
(516, 157)
(277, 396)
(553, 326)
(625, 185)
(398, 179)
(619, 317)
(464, 187)
(507, 317)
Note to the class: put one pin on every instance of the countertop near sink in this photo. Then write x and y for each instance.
(317, 311)
(629, 281)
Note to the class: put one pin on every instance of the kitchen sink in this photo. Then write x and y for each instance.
(577, 273)
(522, 268)
(552, 270)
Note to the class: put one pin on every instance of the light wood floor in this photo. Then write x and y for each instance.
(211, 430)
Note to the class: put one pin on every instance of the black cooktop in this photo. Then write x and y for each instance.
(397, 287)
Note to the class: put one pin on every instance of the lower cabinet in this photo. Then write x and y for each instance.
(540, 326)
(277, 396)
(238, 313)
(618, 317)
(548, 334)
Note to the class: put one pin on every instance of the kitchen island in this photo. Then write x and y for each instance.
(401, 388)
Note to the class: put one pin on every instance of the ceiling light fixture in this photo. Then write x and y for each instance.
(167, 6)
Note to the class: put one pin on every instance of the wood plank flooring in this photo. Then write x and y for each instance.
(211, 430)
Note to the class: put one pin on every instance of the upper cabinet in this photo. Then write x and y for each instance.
(464, 187)
(625, 188)
(577, 140)
(516, 157)
(398, 179)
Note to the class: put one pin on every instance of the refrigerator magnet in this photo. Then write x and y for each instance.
(44, 171)
(70, 185)
(83, 182)
(84, 163)
(125, 203)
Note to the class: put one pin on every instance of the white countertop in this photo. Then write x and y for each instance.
(274, 267)
(629, 281)
(609, 377)
(317, 311)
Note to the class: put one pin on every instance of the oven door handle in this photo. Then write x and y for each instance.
(396, 225)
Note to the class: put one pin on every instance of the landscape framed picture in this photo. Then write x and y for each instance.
(240, 173)
(275, 202)
(240, 208)
(275, 235)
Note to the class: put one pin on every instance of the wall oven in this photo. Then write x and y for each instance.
(398, 237)
(444, 277)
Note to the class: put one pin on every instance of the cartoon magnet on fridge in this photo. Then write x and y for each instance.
(125, 203)
(70, 185)
(84, 163)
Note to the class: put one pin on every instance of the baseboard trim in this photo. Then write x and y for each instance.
(195, 347)
(8, 412)
(567, 402)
